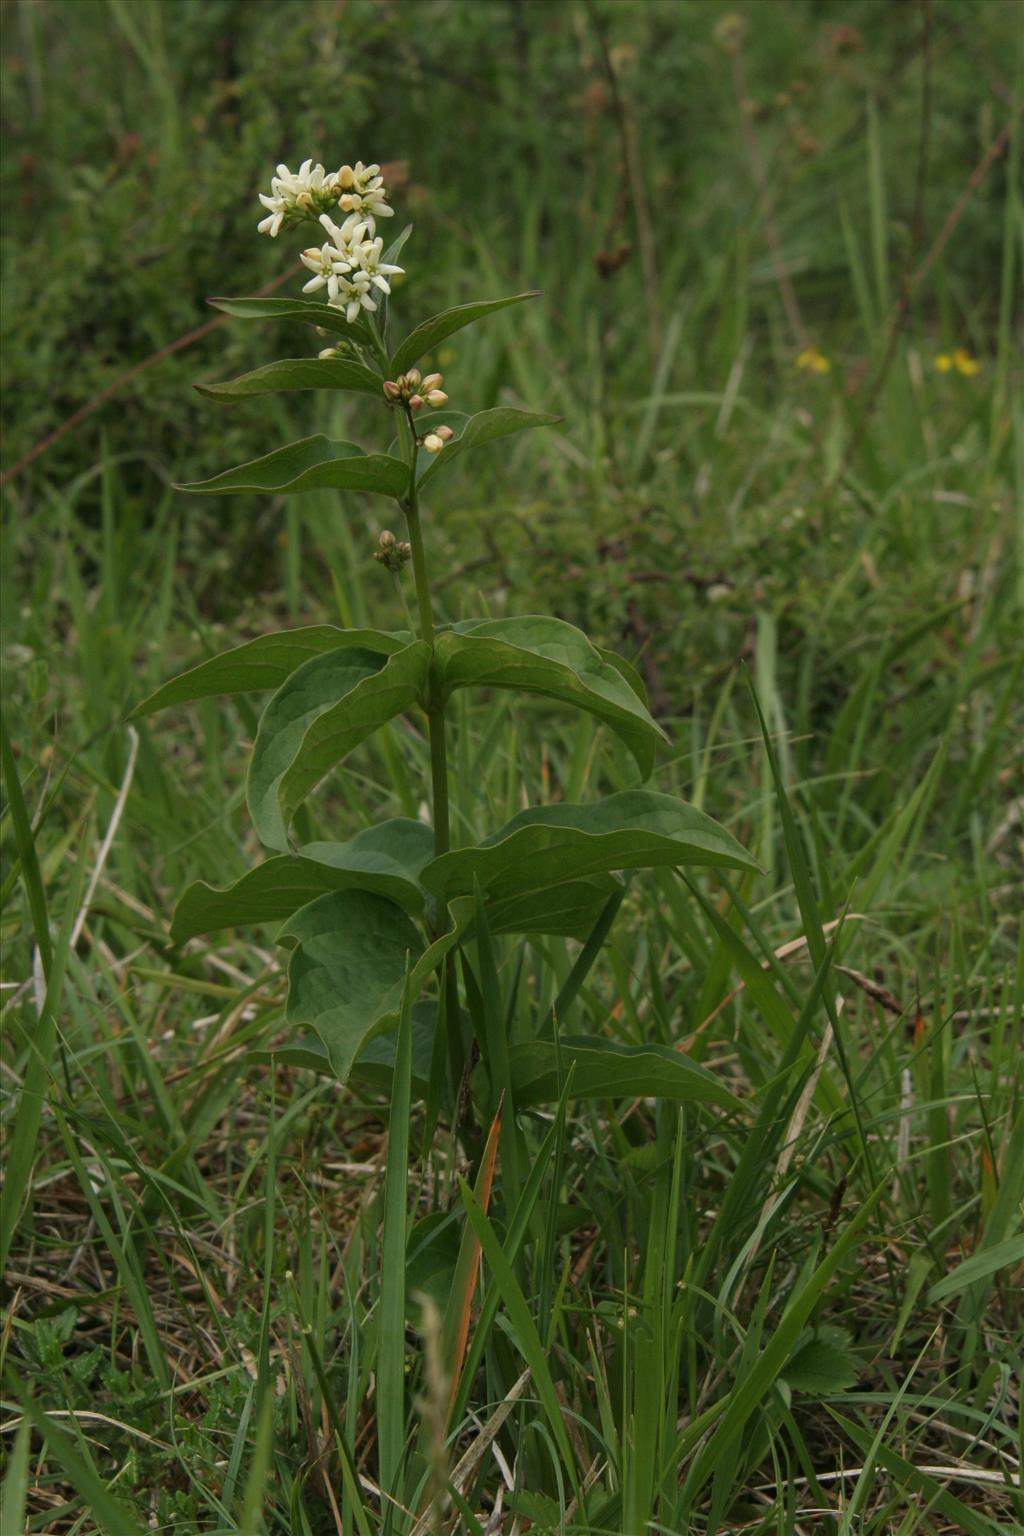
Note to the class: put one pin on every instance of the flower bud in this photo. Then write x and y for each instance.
(387, 539)
(405, 550)
(433, 443)
(432, 381)
(415, 402)
(346, 178)
(436, 397)
(328, 352)
(444, 433)
(412, 378)
(730, 31)
(392, 390)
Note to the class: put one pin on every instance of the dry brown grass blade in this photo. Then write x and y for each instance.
(460, 1302)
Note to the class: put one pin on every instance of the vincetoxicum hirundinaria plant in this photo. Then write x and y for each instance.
(376, 918)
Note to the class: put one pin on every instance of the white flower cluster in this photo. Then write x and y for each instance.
(349, 265)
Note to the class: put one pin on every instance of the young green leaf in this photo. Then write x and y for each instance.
(295, 373)
(473, 432)
(307, 310)
(385, 859)
(823, 1364)
(311, 464)
(316, 717)
(545, 845)
(430, 333)
(348, 969)
(264, 663)
(549, 657)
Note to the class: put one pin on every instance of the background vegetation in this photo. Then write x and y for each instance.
(781, 250)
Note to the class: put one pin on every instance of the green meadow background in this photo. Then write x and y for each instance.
(780, 248)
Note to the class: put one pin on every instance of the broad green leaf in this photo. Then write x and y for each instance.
(626, 670)
(264, 663)
(571, 908)
(434, 1247)
(316, 717)
(375, 1063)
(473, 432)
(307, 310)
(348, 969)
(311, 464)
(295, 373)
(547, 656)
(385, 859)
(432, 332)
(604, 1069)
(545, 845)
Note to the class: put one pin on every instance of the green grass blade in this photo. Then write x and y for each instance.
(748, 1393)
(390, 1400)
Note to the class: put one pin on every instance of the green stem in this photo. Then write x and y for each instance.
(436, 730)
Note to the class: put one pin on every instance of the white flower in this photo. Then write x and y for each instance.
(369, 253)
(353, 294)
(295, 196)
(328, 269)
(348, 237)
(363, 191)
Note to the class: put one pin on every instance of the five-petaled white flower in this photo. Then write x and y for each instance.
(353, 295)
(298, 194)
(363, 191)
(347, 237)
(328, 269)
(376, 270)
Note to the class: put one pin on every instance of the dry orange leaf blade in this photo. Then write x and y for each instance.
(455, 1332)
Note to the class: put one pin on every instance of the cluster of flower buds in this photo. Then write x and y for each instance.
(415, 390)
(393, 553)
(434, 440)
(350, 264)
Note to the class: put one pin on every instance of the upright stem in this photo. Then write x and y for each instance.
(436, 730)
(435, 708)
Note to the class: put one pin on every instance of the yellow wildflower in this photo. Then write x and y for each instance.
(964, 363)
(960, 359)
(816, 361)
